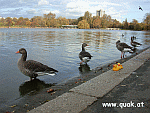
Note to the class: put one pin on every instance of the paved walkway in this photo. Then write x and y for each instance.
(132, 95)
(81, 97)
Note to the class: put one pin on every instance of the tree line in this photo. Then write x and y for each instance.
(84, 22)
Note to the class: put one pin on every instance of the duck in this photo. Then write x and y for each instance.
(135, 44)
(33, 68)
(115, 67)
(83, 55)
(120, 66)
(123, 47)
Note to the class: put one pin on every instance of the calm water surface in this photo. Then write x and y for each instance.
(59, 49)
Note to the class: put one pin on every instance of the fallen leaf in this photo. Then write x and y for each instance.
(50, 90)
(140, 84)
(13, 106)
(122, 85)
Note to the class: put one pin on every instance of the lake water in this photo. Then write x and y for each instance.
(59, 49)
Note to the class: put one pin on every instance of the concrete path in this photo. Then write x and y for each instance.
(78, 98)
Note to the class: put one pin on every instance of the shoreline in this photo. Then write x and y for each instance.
(80, 97)
(63, 28)
(34, 99)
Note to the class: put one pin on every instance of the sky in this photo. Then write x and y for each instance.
(73, 9)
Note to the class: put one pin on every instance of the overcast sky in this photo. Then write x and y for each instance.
(73, 9)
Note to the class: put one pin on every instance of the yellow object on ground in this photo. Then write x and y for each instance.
(115, 67)
(120, 66)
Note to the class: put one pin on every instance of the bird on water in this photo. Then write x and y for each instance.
(83, 55)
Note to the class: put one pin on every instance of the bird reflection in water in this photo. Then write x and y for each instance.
(33, 86)
(84, 68)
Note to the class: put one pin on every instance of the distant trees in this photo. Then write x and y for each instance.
(97, 22)
(125, 24)
(134, 25)
(146, 21)
(8, 21)
(84, 22)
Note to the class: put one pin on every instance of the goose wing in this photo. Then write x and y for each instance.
(37, 66)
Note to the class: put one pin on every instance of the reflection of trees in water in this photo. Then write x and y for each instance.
(34, 85)
(147, 39)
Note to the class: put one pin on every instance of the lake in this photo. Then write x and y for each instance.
(59, 49)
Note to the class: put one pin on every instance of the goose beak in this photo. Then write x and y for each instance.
(17, 52)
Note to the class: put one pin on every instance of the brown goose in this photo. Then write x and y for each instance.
(83, 55)
(33, 68)
(135, 44)
(123, 47)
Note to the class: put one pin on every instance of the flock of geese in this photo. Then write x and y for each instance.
(123, 47)
(33, 68)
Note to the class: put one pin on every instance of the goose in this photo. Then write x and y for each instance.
(33, 68)
(123, 47)
(135, 44)
(83, 55)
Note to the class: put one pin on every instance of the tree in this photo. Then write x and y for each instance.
(125, 24)
(62, 21)
(8, 21)
(116, 24)
(15, 20)
(135, 24)
(110, 21)
(50, 19)
(88, 17)
(20, 21)
(28, 23)
(83, 25)
(147, 21)
(105, 20)
(49, 16)
(34, 22)
(73, 21)
(80, 19)
(2, 21)
(39, 21)
(97, 22)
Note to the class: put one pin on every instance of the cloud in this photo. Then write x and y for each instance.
(31, 11)
(79, 7)
(43, 2)
(117, 9)
(56, 11)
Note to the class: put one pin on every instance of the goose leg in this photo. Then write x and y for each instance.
(30, 78)
(121, 54)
